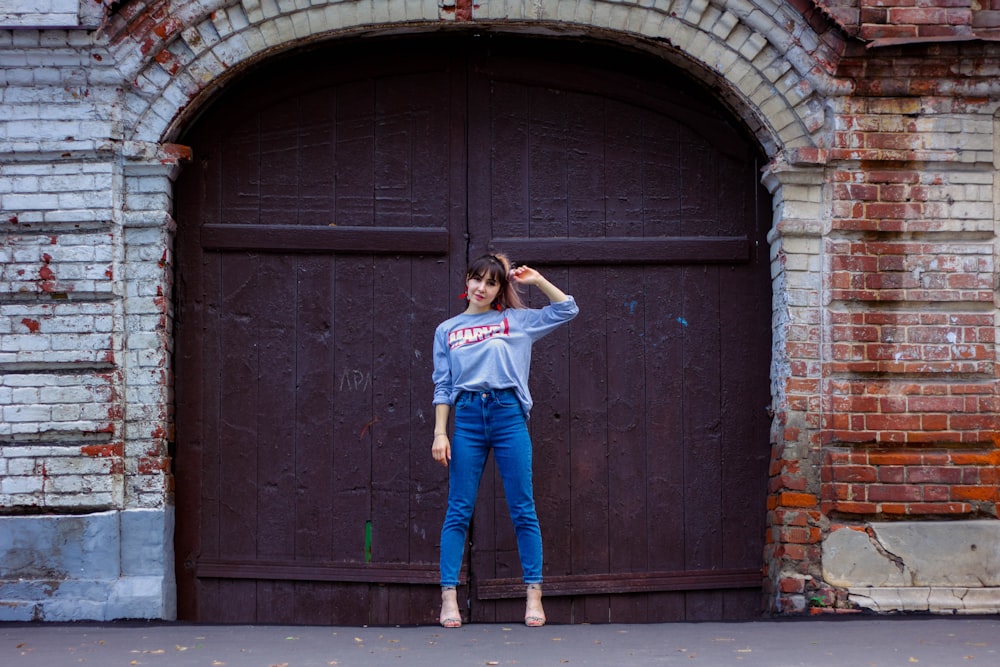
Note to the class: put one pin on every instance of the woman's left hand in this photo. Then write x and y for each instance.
(525, 275)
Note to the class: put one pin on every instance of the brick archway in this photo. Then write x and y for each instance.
(770, 67)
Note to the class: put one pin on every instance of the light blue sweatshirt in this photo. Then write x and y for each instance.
(492, 350)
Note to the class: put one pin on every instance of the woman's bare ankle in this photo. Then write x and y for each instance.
(451, 616)
(534, 613)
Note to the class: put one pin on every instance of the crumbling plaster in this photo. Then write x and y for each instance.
(917, 565)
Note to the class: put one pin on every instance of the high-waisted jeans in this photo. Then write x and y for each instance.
(484, 420)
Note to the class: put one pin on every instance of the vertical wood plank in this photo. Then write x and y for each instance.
(353, 304)
(702, 432)
(396, 113)
(589, 366)
(584, 152)
(353, 433)
(354, 168)
(548, 168)
(316, 176)
(745, 400)
(551, 380)
(239, 407)
(239, 196)
(279, 165)
(238, 370)
(196, 530)
(275, 319)
(499, 122)
(628, 441)
(626, 168)
(314, 409)
(664, 176)
(664, 414)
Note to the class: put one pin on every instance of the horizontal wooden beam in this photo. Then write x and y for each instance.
(625, 582)
(326, 239)
(371, 573)
(626, 250)
(486, 589)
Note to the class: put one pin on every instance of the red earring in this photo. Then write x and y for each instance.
(463, 295)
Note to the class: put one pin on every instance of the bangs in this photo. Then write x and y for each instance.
(488, 267)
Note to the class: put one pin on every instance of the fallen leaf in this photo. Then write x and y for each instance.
(914, 660)
(217, 663)
(492, 662)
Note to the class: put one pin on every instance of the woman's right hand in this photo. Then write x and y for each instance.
(441, 450)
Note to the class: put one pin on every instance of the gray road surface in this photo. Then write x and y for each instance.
(815, 642)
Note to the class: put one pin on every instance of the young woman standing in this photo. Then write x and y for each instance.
(481, 363)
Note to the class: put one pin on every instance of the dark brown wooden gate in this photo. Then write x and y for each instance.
(322, 234)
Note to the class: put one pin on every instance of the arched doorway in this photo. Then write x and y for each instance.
(322, 233)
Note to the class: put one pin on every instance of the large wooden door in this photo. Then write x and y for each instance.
(322, 233)
(315, 243)
(635, 193)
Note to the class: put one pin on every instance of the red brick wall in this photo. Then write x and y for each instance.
(887, 21)
(902, 482)
(892, 357)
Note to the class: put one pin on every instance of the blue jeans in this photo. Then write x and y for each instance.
(484, 420)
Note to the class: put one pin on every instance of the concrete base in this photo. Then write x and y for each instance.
(926, 598)
(104, 566)
(940, 567)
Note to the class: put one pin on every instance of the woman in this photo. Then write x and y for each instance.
(481, 363)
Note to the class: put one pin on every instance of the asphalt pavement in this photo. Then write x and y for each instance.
(857, 641)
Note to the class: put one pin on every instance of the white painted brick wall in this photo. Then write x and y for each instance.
(40, 13)
(61, 333)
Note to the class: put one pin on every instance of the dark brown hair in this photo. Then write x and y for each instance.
(497, 267)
